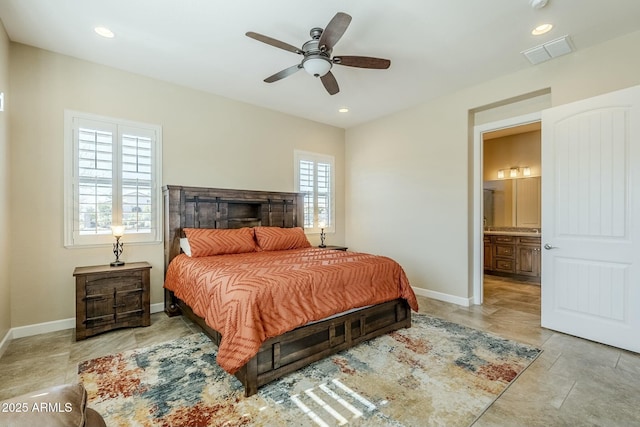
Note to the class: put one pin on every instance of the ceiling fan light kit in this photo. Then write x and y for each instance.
(316, 65)
(317, 59)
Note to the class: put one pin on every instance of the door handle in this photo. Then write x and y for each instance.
(548, 246)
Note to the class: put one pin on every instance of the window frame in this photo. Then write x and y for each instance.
(72, 237)
(301, 155)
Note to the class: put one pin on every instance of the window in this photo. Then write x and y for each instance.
(112, 176)
(315, 178)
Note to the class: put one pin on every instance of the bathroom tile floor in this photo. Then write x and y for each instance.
(574, 382)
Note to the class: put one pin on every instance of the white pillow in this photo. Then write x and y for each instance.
(184, 245)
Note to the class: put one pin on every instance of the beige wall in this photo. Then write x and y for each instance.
(5, 289)
(207, 141)
(409, 192)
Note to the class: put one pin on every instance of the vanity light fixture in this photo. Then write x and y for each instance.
(514, 171)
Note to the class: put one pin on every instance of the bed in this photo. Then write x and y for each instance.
(275, 354)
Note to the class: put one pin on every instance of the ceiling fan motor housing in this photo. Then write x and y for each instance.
(317, 61)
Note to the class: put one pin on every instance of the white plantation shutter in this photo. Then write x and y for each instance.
(306, 185)
(323, 193)
(314, 178)
(94, 180)
(112, 171)
(137, 183)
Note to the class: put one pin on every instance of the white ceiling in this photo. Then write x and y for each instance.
(435, 47)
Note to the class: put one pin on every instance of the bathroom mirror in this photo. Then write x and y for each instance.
(512, 202)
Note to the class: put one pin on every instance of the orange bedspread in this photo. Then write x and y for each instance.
(251, 297)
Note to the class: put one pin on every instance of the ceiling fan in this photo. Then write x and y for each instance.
(317, 59)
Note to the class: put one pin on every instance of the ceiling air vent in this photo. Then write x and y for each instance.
(549, 50)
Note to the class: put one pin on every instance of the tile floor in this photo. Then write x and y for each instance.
(573, 383)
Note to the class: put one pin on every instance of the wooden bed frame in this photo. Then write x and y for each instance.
(194, 207)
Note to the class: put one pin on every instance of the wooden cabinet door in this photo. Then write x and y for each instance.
(99, 303)
(488, 255)
(528, 261)
(128, 302)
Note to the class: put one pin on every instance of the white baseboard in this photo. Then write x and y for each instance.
(465, 302)
(157, 308)
(43, 328)
(53, 326)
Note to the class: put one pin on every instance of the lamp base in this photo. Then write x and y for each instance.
(322, 246)
(117, 263)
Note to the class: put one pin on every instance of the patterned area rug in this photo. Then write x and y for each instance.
(436, 373)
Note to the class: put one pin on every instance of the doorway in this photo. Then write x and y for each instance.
(505, 127)
(512, 208)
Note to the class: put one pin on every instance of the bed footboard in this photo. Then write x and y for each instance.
(293, 350)
(298, 348)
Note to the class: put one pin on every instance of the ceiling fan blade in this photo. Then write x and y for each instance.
(362, 62)
(330, 83)
(282, 74)
(334, 31)
(273, 42)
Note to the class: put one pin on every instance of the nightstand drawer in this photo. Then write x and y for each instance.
(121, 277)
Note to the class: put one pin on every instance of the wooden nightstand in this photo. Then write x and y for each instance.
(109, 298)
(336, 248)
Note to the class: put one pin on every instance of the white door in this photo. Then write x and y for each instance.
(591, 219)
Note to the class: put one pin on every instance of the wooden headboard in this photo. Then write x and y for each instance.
(196, 207)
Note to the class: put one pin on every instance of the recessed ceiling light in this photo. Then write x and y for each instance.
(541, 29)
(343, 110)
(104, 32)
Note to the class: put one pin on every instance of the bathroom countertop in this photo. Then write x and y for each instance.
(513, 233)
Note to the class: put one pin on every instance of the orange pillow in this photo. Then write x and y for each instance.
(277, 239)
(218, 241)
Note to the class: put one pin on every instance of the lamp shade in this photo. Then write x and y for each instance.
(117, 230)
(317, 66)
